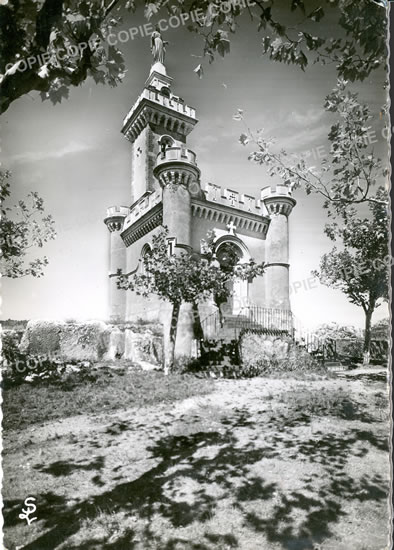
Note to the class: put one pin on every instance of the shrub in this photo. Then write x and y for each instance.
(262, 354)
(350, 351)
(9, 345)
(32, 369)
(335, 331)
(184, 364)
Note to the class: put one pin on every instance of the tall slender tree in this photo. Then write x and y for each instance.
(360, 269)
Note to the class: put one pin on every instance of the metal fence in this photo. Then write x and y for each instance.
(249, 318)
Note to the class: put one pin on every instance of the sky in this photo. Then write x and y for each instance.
(74, 156)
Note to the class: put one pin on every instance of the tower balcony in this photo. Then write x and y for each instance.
(177, 165)
(176, 154)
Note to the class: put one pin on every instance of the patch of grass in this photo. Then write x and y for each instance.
(111, 389)
(337, 403)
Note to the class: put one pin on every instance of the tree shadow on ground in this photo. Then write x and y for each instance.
(213, 458)
(65, 468)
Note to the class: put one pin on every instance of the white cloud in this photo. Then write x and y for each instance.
(71, 148)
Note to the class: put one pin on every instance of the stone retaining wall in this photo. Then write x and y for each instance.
(94, 341)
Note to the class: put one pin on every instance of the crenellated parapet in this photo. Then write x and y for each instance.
(144, 205)
(278, 199)
(115, 217)
(161, 108)
(234, 199)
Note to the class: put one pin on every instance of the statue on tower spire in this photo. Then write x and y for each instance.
(158, 46)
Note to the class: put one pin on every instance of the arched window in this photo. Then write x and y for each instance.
(146, 249)
(228, 254)
(165, 91)
(164, 142)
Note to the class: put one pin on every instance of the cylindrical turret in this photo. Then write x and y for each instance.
(117, 298)
(279, 204)
(178, 174)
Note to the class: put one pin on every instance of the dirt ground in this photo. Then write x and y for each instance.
(258, 464)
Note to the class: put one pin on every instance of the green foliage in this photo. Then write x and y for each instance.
(381, 329)
(51, 46)
(335, 331)
(72, 35)
(358, 49)
(19, 368)
(9, 345)
(187, 277)
(258, 359)
(347, 179)
(361, 269)
(22, 227)
(348, 176)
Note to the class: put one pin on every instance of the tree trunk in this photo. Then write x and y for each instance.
(367, 336)
(197, 328)
(170, 351)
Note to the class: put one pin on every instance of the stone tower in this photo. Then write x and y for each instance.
(166, 190)
(279, 204)
(157, 113)
(114, 222)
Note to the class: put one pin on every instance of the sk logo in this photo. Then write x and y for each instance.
(31, 509)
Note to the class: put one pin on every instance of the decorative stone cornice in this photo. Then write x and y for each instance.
(280, 205)
(224, 214)
(176, 177)
(152, 107)
(143, 225)
(114, 224)
(278, 200)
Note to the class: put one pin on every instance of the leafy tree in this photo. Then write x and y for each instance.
(23, 227)
(348, 176)
(186, 277)
(360, 268)
(294, 35)
(382, 326)
(50, 45)
(335, 331)
(347, 180)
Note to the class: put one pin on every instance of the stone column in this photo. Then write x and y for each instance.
(179, 176)
(117, 298)
(279, 204)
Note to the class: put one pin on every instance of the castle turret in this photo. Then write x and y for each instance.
(114, 221)
(279, 204)
(156, 114)
(179, 176)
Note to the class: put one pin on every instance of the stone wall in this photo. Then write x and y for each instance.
(94, 341)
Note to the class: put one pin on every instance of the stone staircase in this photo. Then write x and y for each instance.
(229, 329)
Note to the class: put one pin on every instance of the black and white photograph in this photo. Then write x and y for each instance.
(195, 274)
